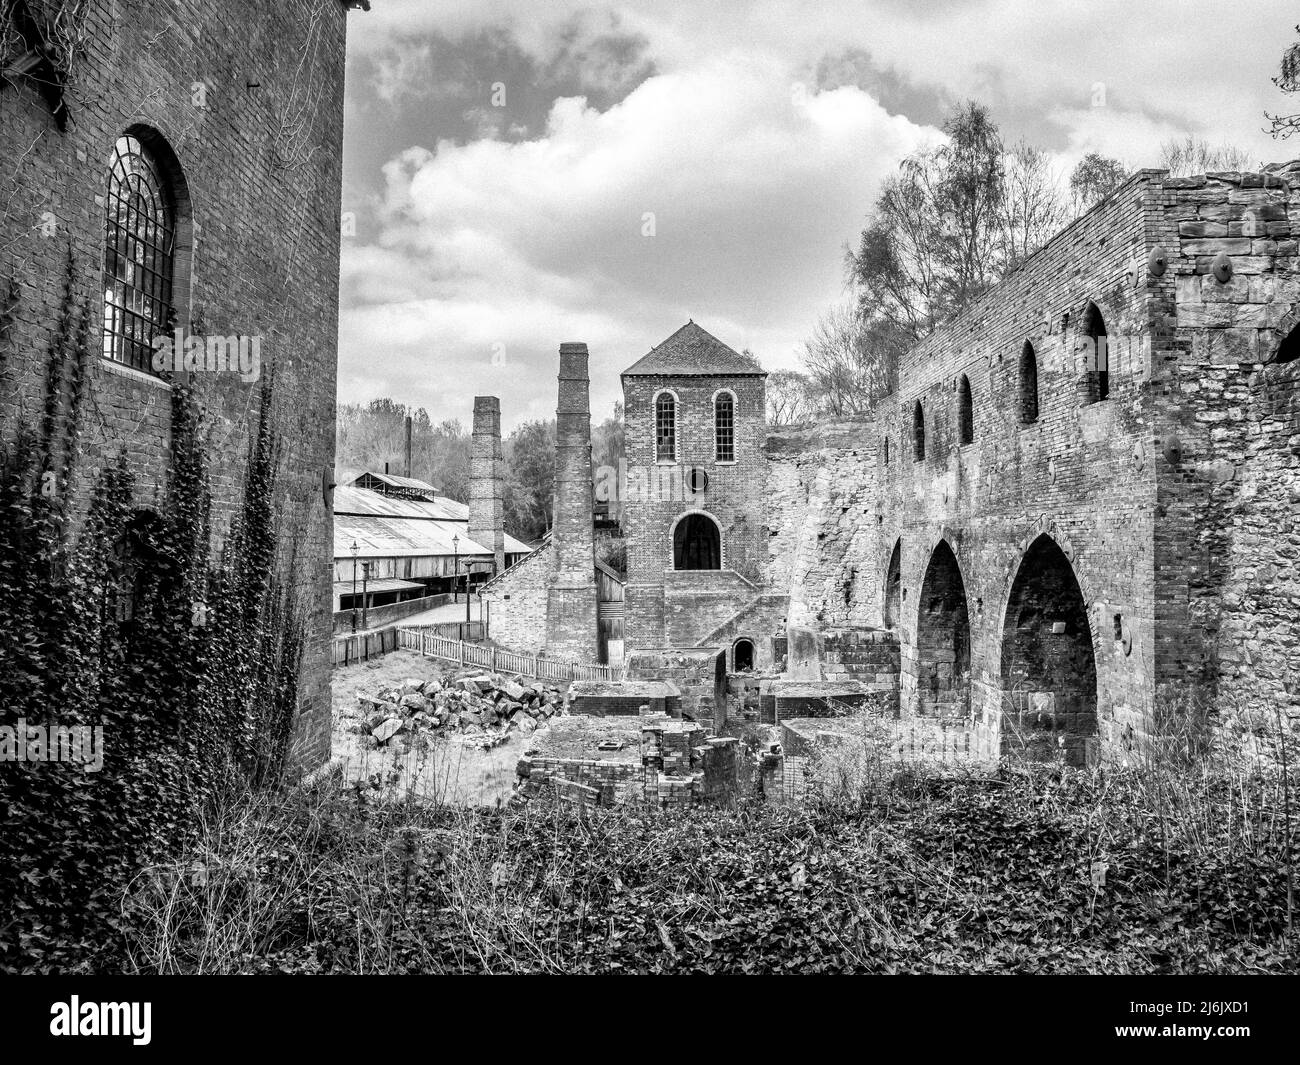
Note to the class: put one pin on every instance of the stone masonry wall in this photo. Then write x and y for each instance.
(258, 249)
(823, 501)
(1229, 486)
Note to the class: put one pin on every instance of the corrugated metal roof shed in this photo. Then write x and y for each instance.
(348, 499)
(388, 526)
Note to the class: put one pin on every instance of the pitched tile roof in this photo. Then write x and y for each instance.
(691, 352)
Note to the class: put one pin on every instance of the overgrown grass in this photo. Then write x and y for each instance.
(1158, 866)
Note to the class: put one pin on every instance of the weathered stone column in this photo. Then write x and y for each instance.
(485, 480)
(571, 598)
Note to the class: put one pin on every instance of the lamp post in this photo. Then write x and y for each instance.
(365, 595)
(455, 566)
(354, 586)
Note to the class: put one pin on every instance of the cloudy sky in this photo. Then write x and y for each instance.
(521, 174)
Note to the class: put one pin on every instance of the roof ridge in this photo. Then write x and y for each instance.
(693, 351)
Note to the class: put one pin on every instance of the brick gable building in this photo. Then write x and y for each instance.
(184, 156)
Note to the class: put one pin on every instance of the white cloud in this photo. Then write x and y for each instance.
(754, 182)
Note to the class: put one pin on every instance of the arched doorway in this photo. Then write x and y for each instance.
(1049, 672)
(743, 655)
(894, 587)
(943, 639)
(697, 543)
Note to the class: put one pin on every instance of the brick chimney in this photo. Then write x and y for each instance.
(485, 480)
(571, 597)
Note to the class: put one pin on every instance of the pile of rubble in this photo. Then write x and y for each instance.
(484, 706)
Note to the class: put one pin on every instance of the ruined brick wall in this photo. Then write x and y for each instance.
(671, 609)
(1124, 543)
(517, 602)
(258, 179)
(824, 511)
(1079, 471)
(698, 674)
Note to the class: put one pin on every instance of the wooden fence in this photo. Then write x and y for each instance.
(497, 660)
(362, 646)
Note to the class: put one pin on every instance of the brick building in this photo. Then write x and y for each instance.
(693, 500)
(186, 156)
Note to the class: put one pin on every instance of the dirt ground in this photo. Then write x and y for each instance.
(451, 770)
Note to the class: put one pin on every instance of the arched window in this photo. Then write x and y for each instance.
(697, 543)
(139, 254)
(918, 432)
(1028, 385)
(1096, 355)
(965, 412)
(666, 427)
(724, 427)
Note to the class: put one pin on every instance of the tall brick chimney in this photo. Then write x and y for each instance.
(485, 480)
(571, 598)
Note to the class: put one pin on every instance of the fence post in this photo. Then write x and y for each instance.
(462, 651)
(494, 661)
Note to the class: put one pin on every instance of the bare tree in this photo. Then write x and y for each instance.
(1034, 208)
(1288, 80)
(846, 375)
(1192, 155)
(789, 398)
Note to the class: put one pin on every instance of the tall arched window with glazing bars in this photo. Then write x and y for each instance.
(665, 427)
(724, 427)
(139, 254)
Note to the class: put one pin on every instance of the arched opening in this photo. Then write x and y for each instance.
(742, 656)
(894, 587)
(918, 432)
(1289, 349)
(1028, 385)
(943, 639)
(1049, 673)
(1096, 356)
(665, 427)
(697, 543)
(965, 412)
(146, 248)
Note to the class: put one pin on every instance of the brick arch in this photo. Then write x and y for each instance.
(943, 637)
(753, 652)
(1044, 527)
(1047, 660)
(1096, 381)
(672, 536)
